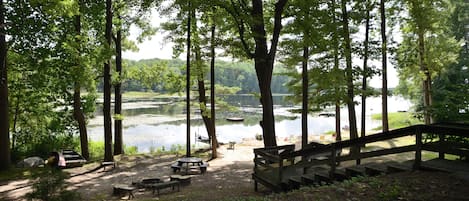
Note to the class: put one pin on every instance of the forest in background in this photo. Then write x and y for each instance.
(161, 76)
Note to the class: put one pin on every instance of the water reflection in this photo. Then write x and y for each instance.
(160, 123)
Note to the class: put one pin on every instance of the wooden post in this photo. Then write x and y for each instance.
(332, 161)
(255, 168)
(280, 167)
(418, 149)
(441, 144)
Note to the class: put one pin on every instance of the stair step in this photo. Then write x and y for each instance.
(294, 182)
(375, 169)
(355, 171)
(397, 167)
(322, 176)
(308, 179)
(340, 175)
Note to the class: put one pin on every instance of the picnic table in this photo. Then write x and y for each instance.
(189, 162)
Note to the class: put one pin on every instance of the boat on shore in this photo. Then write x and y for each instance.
(235, 119)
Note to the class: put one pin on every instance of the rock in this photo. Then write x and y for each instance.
(31, 162)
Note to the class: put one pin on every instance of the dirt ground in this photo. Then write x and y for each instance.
(227, 177)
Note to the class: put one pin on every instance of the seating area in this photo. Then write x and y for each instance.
(185, 166)
(190, 165)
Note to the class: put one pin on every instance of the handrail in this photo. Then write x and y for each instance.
(453, 129)
(354, 142)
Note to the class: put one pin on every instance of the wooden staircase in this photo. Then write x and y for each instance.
(279, 169)
(320, 176)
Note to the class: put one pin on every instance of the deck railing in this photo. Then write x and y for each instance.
(275, 160)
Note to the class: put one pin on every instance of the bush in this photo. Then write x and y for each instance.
(51, 187)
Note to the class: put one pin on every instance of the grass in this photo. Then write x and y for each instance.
(21, 173)
(398, 120)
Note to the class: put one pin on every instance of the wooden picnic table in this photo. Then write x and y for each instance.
(188, 162)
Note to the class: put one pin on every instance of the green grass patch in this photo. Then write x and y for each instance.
(398, 120)
(21, 173)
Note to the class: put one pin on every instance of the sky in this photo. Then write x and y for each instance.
(156, 47)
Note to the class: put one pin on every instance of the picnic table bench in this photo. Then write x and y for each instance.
(158, 186)
(108, 163)
(120, 189)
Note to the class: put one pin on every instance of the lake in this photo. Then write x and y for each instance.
(156, 123)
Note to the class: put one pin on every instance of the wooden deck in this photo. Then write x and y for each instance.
(279, 169)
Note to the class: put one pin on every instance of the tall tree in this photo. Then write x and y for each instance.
(304, 109)
(335, 42)
(384, 89)
(349, 71)
(118, 142)
(78, 113)
(213, 137)
(426, 50)
(108, 156)
(365, 67)
(188, 81)
(4, 116)
(252, 21)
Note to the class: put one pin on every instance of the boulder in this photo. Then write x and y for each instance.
(31, 162)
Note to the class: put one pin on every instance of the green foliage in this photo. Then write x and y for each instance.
(167, 76)
(51, 186)
(398, 120)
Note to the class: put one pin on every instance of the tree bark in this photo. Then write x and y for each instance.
(188, 83)
(107, 88)
(349, 74)
(335, 39)
(201, 81)
(365, 71)
(118, 141)
(5, 156)
(264, 64)
(427, 79)
(384, 90)
(304, 111)
(213, 139)
(77, 106)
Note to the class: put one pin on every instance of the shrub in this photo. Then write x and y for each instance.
(51, 187)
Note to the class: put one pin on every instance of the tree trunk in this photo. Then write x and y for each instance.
(77, 106)
(213, 139)
(365, 71)
(107, 88)
(349, 75)
(384, 90)
(188, 83)
(4, 116)
(264, 64)
(15, 121)
(304, 111)
(118, 142)
(335, 39)
(200, 79)
(427, 79)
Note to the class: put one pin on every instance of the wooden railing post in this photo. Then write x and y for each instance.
(280, 170)
(332, 162)
(255, 169)
(418, 149)
(441, 144)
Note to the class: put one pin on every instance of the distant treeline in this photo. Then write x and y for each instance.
(162, 76)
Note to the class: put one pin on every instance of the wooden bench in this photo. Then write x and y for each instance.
(176, 167)
(108, 163)
(183, 179)
(158, 186)
(121, 189)
(203, 167)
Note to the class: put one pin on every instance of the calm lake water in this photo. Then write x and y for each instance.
(161, 122)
